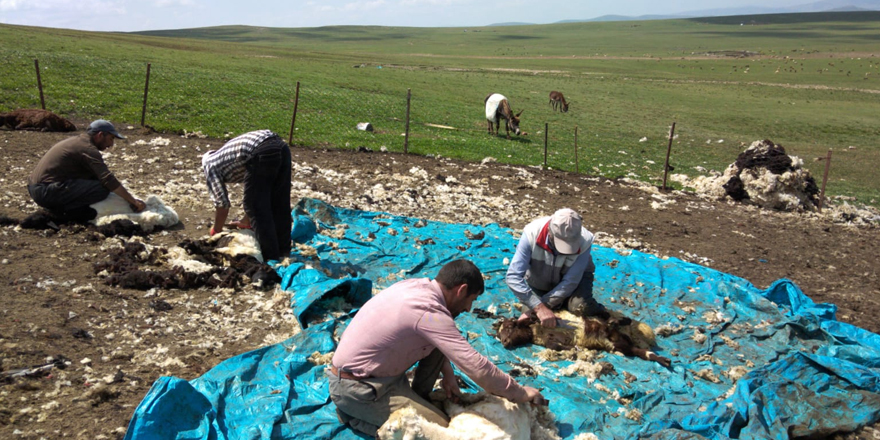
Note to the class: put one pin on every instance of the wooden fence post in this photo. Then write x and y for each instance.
(668, 151)
(577, 168)
(146, 91)
(825, 180)
(293, 118)
(546, 127)
(406, 132)
(40, 83)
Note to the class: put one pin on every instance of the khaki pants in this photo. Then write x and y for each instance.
(366, 404)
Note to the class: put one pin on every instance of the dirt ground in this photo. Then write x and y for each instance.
(110, 344)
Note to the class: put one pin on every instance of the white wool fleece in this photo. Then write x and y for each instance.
(116, 208)
(486, 417)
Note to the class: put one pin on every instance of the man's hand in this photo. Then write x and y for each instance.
(240, 224)
(138, 205)
(533, 396)
(546, 316)
(526, 317)
(220, 214)
(450, 385)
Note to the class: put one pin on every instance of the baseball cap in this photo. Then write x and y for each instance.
(565, 225)
(105, 126)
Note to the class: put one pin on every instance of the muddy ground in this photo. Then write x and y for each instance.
(113, 343)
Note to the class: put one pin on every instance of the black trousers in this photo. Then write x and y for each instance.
(267, 197)
(70, 199)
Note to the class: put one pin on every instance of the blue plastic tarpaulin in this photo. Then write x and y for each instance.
(747, 363)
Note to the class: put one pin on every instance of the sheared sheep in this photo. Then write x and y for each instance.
(35, 119)
(614, 333)
(156, 214)
(237, 242)
(480, 416)
(113, 216)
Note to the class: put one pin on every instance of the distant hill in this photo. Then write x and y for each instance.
(820, 6)
(512, 23)
(628, 18)
(849, 9)
(805, 17)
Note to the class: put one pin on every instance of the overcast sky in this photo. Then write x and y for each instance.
(137, 15)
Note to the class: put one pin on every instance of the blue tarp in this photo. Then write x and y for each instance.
(806, 374)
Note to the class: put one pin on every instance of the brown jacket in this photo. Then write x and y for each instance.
(73, 158)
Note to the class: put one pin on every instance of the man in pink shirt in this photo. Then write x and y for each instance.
(410, 322)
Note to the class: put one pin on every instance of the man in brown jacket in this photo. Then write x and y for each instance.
(72, 175)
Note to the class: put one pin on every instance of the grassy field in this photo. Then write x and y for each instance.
(810, 82)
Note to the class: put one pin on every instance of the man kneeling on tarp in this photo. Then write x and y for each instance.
(552, 268)
(409, 322)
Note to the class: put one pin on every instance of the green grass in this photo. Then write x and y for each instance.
(810, 82)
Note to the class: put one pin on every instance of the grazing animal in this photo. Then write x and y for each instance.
(498, 108)
(613, 332)
(557, 101)
(35, 119)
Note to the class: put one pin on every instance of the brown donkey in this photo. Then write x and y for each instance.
(557, 101)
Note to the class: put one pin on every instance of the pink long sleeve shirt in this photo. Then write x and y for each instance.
(402, 325)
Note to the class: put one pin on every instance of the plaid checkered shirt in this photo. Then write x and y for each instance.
(227, 165)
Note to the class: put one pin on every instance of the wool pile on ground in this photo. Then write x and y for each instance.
(762, 175)
(192, 264)
(765, 177)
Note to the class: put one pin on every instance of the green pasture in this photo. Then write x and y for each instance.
(810, 82)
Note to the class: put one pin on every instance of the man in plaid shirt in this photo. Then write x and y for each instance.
(261, 160)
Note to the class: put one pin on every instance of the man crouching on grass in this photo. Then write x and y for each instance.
(410, 322)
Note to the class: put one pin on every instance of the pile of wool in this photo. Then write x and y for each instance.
(763, 175)
(479, 416)
(192, 264)
(156, 214)
(845, 213)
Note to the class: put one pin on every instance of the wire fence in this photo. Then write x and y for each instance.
(320, 115)
(379, 116)
(331, 117)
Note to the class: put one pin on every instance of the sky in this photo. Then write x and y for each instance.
(139, 15)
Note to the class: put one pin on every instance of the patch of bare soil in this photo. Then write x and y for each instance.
(78, 355)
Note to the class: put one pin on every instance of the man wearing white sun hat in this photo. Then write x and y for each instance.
(553, 268)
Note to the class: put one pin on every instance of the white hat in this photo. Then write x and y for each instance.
(565, 225)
